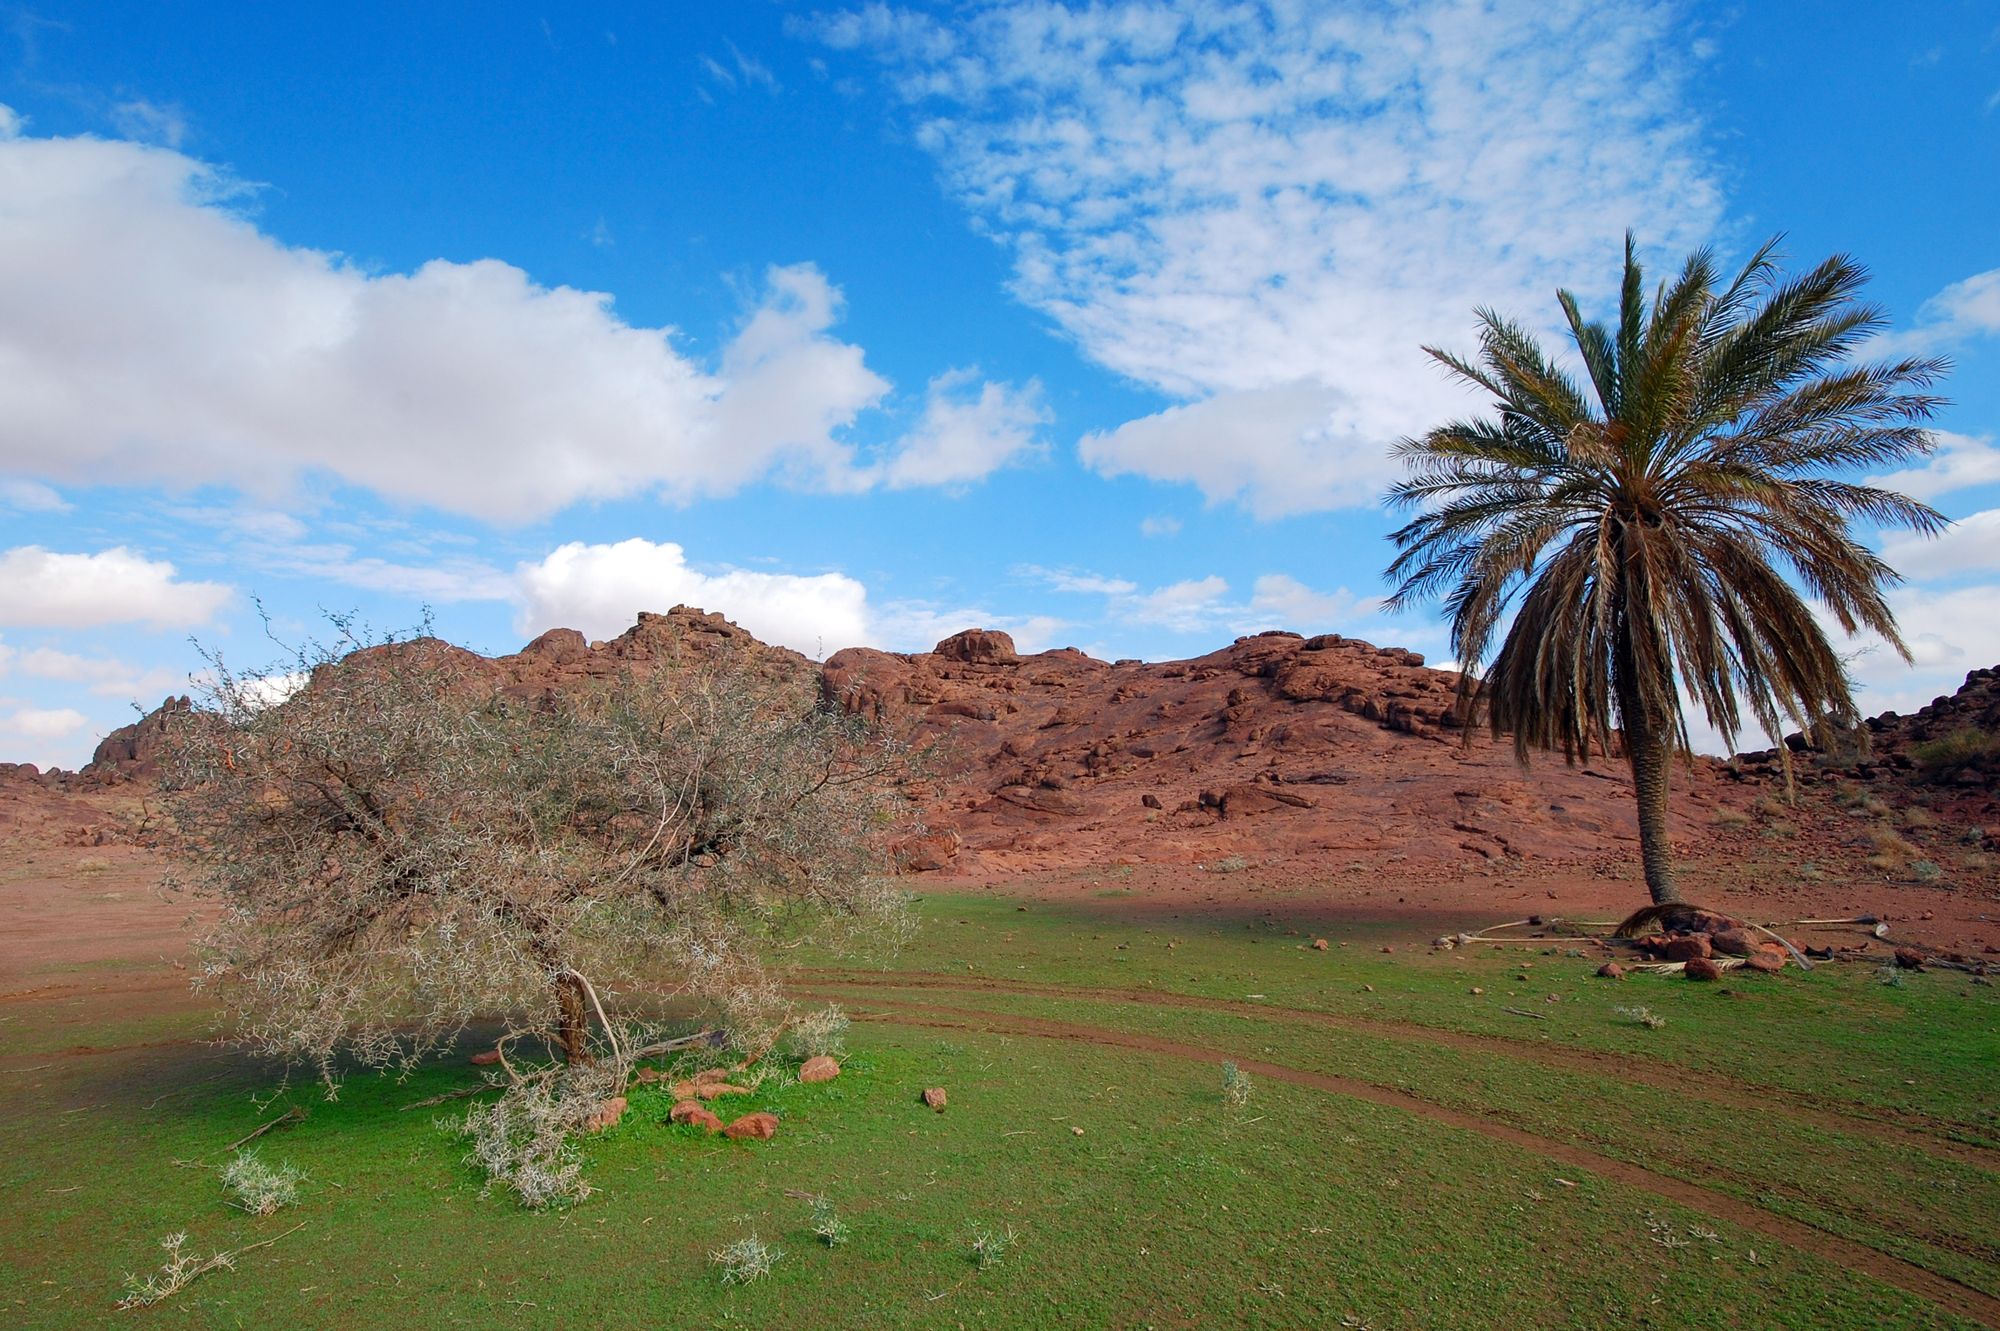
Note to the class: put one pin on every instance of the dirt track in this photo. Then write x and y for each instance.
(1942, 1290)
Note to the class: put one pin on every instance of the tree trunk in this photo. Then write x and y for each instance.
(1650, 760)
(575, 1029)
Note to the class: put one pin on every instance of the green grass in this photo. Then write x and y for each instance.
(1171, 1208)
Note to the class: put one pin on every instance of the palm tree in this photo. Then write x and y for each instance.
(1664, 530)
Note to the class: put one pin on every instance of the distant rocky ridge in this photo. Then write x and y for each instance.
(1279, 748)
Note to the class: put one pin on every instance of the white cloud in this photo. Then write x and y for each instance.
(599, 589)
(1206, 605)
(1949, 633)
(42, 589)
(152, 332)
(1288, 449)
(965, 438)
(101, 675)
(1159, 526)
(12, 122)
(1972, 545)
(32, 497)
(1960, 462)
(1236, 199)
(151, 122)
(42, 722)
(1077, 584)
(1967, 308)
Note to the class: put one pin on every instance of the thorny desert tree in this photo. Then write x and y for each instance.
(1638, 530)
(401, 847)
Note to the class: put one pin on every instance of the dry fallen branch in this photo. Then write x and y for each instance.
(296, 1114)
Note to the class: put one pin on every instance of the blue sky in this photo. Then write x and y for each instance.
(866, 323)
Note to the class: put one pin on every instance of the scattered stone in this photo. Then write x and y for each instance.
(605, 1115)
(1477, 990)
(485, 1058)
(1611, 970)
(715, 1090)
(1701, 968)
(1689, 947)
(1765, 960)
(695, 1113)
(1733, 942)
(934, 1097)
(1075, 1130)
(818, 1069)
(1319, 945)
(753, 1127)
(1386, 948)
(1446, 942)
(1909, 959)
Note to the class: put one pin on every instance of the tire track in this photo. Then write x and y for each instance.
(1916, 1131)
(1947, 1293)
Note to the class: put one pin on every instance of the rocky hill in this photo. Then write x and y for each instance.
(1314, 753)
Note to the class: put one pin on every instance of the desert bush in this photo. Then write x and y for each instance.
(525, 1140)
(400, 847)
(1235, 1084)
(989, 1246)
(1731, 818)
(817, 1033)
(1643, 1017)
(256, 1187)
(1227, 864)
(1970, 749)
(745, 1260)
(1926, 871)
(827, 1224)
(1918, 818)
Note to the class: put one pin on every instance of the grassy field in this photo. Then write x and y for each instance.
(1811, 1151)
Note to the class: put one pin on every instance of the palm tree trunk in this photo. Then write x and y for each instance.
(1650, 760)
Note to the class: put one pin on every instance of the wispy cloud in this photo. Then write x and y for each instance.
(1268, 209)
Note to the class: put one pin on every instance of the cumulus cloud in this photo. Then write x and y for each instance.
(42, 722)
(965, 436)
(43, 589)
(1960, 462)
(1965, 309)
(1274, 206)
(1972, 545)
(152, 332)
(103, 676)
(599, 588)
(1159, 526)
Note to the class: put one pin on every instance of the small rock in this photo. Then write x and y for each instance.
(1765, 960)
(1733, 942)
(1388, 949)
(1447, 942)
(1477, 990)
(753, 1127)
(935, 1097)
(696, 1113)
(605, 1115)
(1319, 945)
(715, 1090)
(1367, 988)
(485, 1058)
(1909, 959)
(820, 1068)
(1075, 1130)
(1611, 970)
(1701, 968)
(1689, 947)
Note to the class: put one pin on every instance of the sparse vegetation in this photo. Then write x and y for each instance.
(1235, 1084)
(746, 1260)
(258, 1188)
(989, 1246)
(1643, 1016)
(820, 1032)
(1731, 818)
(181, 1269)
(827, 1225)
(1967, 750)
